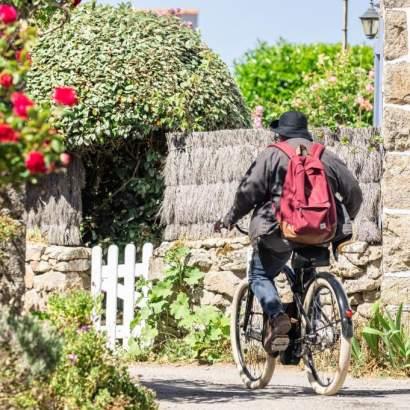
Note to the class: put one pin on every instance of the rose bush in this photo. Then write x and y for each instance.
(29, 143)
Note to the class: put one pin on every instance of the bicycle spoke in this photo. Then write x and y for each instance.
(324, 336)
(252, 352)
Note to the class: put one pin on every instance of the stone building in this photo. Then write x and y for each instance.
(396, 136)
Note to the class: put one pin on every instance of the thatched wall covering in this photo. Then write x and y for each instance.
(54, 206)
(203, 171)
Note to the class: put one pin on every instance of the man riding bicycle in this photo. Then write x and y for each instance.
(260, 190)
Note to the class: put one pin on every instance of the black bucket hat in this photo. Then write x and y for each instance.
(292, 124)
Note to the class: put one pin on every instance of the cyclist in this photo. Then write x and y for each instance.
(261, 188)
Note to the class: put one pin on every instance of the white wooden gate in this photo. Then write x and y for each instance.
(105, 279)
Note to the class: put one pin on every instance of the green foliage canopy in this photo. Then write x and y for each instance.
(136, 73)
(333, 88)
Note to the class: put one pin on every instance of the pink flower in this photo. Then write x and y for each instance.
(35, 163)
(8, 14)
(7, 134)
(369, 88)
(21, 104)
(359, 100)
(65, 159)
(65, 96)
(84, 329)
(332, 79)
(6, 80)
(367, 105)
(259, 110)
(73, 358)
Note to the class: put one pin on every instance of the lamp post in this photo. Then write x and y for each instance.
(370, 22)
(373, 26)
(345, 23)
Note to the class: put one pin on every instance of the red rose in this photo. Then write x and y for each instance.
(75, 3)
(65, 159)
(6, 80)
(35, 163)
(8, 14)
(21, 104)
(7, 134)
(65, 96)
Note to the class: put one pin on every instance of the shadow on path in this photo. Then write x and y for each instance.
(194, 391)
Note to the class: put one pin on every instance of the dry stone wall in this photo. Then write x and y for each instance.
(395, 287)
(224, 263)
(54, 268)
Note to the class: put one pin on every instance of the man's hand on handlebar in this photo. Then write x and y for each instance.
(221, 224)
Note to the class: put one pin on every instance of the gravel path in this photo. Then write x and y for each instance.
(219, 387)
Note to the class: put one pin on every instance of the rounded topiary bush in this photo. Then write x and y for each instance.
(135, 73)
(138, 75)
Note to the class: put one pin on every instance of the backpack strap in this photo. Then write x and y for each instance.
(316, 150)
(285, 148)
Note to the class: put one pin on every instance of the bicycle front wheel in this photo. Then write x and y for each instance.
(326, 349)
(255, 366)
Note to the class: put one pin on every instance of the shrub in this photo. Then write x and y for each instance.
(61, 362)
(29, 352)
(174, 326)
(138, 76)
(89, 375)
(313, 78)
(383, 344)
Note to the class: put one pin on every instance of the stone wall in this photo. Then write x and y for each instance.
(54, 268)
(224, 263)
(396, 134)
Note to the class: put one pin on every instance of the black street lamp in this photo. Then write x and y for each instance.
(370, 22)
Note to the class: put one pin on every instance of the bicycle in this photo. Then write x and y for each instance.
(322, 324)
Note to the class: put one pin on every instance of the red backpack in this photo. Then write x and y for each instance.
(307, 208)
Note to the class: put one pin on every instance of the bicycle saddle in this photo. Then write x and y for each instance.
(310, 257)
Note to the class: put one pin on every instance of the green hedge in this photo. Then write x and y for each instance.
(136, 73)
(138, 76)
(316, 78)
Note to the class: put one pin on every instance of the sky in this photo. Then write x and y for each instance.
(231, 27)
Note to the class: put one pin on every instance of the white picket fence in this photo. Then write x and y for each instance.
(105, 279)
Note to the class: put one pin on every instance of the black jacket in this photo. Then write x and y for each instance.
(263, 182)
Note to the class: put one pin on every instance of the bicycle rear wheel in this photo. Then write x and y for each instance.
(254, 364)
(327, 350)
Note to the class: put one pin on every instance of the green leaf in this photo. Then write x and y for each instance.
(180, 308)
(193, 277)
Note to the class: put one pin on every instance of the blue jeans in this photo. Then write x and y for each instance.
(269, 258)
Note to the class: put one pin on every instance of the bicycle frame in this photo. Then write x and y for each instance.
(295, 279)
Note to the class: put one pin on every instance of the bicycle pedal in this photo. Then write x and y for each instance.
(280, 343)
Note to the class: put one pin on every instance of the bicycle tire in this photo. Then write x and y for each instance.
(250, 381)
(345, 342)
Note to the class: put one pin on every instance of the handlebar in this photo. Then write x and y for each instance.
(241, 230)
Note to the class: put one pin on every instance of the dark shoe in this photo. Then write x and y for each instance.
(292, 354)
(276, 335)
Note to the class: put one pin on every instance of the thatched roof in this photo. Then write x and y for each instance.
(203, 171)
(54, 206)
